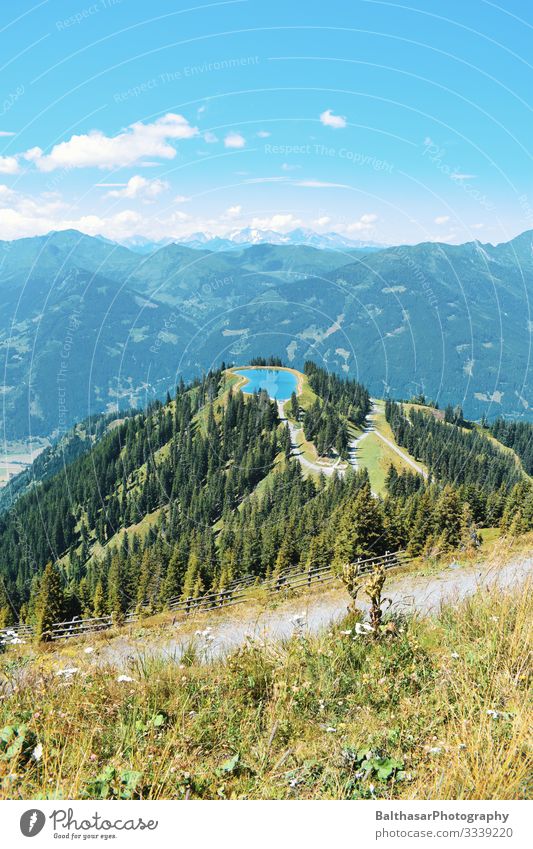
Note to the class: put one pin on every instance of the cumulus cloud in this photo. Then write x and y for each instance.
(131, 146)
(234, 140)
(8, 165)
(6, 193)
(234, 211)
(139, 187)
(263, 134)
(442, 219)
(322, 221)
(279, 221)
(366, 222)
(338, 122)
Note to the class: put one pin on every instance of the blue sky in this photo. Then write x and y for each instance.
(384, 121)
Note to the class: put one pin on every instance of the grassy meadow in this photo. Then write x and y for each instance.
(435, 708)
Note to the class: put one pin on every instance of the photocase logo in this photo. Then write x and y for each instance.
(32, 822)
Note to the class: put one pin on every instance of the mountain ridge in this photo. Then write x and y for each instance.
(450, 321)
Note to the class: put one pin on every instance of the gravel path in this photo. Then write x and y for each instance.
(220, 633)
(295, 432)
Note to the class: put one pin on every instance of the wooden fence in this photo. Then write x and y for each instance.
(239, 591)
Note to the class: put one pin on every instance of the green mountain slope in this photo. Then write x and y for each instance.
(449, 321)
(189, 495)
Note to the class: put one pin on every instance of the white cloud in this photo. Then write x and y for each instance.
(234, 211)
(234, 140)
(338, 122)
(442, 219)
(32, 154)
(131, 146)
(210, 138)
(4, 133)
(6, 193)
(263, 134)
(8, 165)
(366, 222)
(139, 187)
(181, 199)
(279, 221)
(322, 221)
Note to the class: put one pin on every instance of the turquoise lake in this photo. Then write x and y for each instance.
(279, 384)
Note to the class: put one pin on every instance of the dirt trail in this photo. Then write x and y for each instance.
(370, 427)
(295, 432)
(218, 634)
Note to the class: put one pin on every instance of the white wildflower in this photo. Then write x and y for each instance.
(363, 627)
(346, 633)
(455, 655)
(330, 730)
(70, 670)
(88, 650)
(37, 752)
(435, 750)
(124, 679)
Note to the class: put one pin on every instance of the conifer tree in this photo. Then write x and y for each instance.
(193, 586)
(360, 530)
(448, 518)
(99, 600)
(115, 596)
(6, 612)
(50, 605)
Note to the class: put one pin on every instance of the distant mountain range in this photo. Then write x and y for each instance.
(87, 325)
(237, 239)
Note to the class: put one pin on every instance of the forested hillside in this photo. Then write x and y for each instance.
(519, 437)
(203, 489)
(452, 452)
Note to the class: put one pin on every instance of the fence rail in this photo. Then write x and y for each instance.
(236, 592)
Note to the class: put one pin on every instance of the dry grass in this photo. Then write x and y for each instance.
(439, 709)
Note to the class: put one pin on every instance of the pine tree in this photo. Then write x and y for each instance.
(6, 612)
(294, 406)
(99, 608)
(448, 518)
(193, 586)
(115, 595)
(360, 530)
(50, 603)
